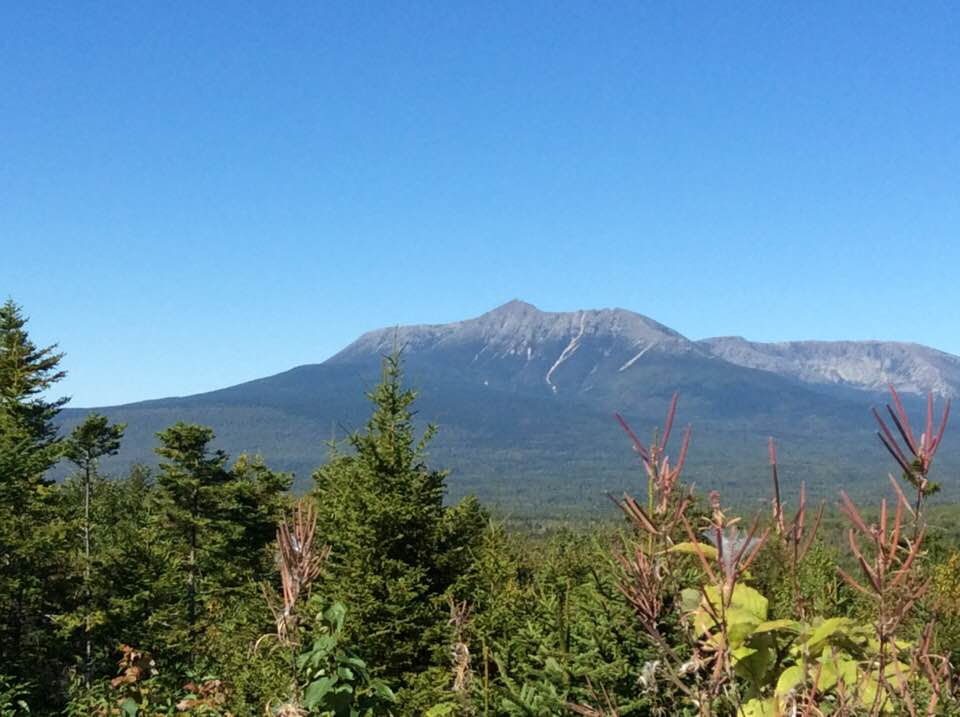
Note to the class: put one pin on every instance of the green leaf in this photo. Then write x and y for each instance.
(827, 629)
(442, 710)
(130, 707)
(335, 615)
(757, 708)
(789, 679)
(777, 625)
(317, 690)
(746, 598)
(754, 662)
(708, 551)
(382, 690)
(867, 693)
(740, 625)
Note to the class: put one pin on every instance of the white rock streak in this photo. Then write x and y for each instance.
(568, 351)
(632, 361)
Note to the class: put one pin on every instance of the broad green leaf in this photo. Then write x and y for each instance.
(382, 690)
(709, 552)
(130, 708)
(827, 629)
(746, 598)
(828, 673)
(335, 615)
(740, 625)
(848, 671)
(777, 625)
(753, 663)
(317, 690)
(867, 693)
(789, 679)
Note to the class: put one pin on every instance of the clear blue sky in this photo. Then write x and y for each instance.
(195, 194)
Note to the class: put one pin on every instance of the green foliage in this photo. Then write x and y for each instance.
(553, 627)
(33, 540)
(338, 683)
(13, 698)
(396, 550)
(29, 436)
(817, 590)
(217, 523)
(93, 439)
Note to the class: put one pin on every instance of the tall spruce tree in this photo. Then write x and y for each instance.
(90, 441)
(380, 506)
(28, 435)
(30, 533)
(218, 521)
(191, 482)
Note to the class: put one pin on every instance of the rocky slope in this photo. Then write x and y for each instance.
(868, 365)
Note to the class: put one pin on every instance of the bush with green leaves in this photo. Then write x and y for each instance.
(337, 682)
(13, 697)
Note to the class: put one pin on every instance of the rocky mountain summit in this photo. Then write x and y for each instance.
(870, 365)
(516, 344)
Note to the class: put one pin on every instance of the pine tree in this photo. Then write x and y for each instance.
(28, 436)
(219, 522)
(253, 502)
(394, 555)
(30, 534)
(90, 441)
(190, 483)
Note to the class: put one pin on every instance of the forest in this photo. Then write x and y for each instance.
(202, 585)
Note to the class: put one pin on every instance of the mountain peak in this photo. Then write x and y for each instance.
(514, 306)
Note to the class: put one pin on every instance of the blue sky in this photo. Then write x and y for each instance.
(195, 194)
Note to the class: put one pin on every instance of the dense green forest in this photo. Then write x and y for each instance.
(202, 586)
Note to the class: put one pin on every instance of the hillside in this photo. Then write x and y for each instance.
(524, 399)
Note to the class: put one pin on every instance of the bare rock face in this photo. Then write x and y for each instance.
(518, 343)
(868, 365)
(518, 329)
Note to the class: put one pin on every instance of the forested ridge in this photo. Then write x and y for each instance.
(201, 585)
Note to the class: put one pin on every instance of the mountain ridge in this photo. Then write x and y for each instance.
(524, 399)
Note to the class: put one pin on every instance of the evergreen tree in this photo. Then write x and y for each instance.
(219, 523)
(135, 568)
(28, 436)
(93, 439)
(253, 502)
(394, 554)
(30, 534)
(191, 482)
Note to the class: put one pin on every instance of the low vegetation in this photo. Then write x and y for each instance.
(202, 586)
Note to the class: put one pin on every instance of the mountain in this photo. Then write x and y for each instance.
(870, 365)
(524, 399)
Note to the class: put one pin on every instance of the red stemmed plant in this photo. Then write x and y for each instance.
(916, 469)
